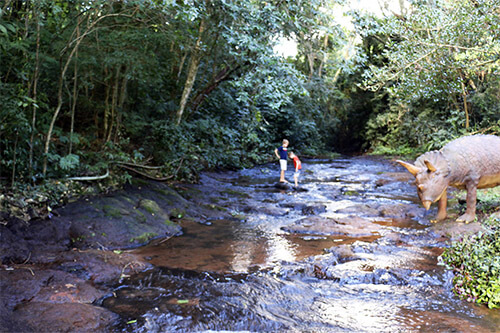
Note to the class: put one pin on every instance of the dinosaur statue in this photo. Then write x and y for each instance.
(470, 162)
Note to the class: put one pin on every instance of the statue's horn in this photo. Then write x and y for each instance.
(430, 166)
(410, 167)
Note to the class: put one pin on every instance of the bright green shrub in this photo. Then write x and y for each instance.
(475, 261)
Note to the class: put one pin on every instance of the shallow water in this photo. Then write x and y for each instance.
(352, 253)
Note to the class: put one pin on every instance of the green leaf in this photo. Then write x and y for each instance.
(69, 162)
(4, 30)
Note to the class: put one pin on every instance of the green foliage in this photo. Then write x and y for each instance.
(123, 66)
(438, 65)
(488, 200)
(475, 262)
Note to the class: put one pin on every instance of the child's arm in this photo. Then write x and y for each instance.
(276, 153)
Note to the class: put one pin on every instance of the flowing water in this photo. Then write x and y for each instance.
(350, 250)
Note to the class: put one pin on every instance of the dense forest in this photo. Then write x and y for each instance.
(170, 88)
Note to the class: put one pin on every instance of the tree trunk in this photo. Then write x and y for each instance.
(77, 42)
(35, 94)
(215, 82)
(191, 75)
(464, 96)
(325, 55)
(181, 66)
(14, 162)
(114, 103)
(121, 102)
(310, 61)
(75, 91)
(106, 107)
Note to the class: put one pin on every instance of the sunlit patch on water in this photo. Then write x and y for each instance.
(234, 246)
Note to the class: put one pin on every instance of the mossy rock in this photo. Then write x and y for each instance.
(239, 216)
(144, 238)
(177, 213)
(215, 207)
(150, 206)
(234, 193)
(141, 218)
(189, 193)
(111, 211)
(351, 193)
(170, 223)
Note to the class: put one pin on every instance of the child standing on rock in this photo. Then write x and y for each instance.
(298, 165)
(281, 153)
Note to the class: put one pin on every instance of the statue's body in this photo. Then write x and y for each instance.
(469, 163)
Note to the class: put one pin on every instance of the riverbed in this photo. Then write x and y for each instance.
(349, 250)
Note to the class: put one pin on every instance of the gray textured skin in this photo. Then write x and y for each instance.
(469, 163)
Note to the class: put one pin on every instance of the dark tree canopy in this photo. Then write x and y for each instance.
(193, 85)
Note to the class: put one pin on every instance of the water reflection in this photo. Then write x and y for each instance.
(235, 247)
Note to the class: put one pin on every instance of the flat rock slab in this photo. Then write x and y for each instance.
(65, 317)
(50, 286)
(456, 230)
(318, 225)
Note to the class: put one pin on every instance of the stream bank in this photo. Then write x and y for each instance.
(234, 252)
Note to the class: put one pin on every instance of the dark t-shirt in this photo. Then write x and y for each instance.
(283, 153)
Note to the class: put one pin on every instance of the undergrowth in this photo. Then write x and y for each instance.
(475, 262)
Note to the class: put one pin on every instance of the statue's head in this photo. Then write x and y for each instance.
(430, 170)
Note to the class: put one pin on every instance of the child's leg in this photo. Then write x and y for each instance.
(282, 168)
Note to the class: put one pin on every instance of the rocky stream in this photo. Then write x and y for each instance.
(350, 250)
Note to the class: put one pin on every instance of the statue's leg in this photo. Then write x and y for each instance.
(470, 212)
(441, 215)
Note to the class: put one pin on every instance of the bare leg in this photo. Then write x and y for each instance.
(470, 212)
(282, 176)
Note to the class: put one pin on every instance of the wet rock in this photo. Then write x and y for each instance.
(49, 286)
(10, 324)
(13, 248)
(317, 225)
(352, 272)
(456, 230)
(400, 176)
(256, 207)
(294, 205)
(343, 253)
(314, 209)
(101, 266)
(382, 182)
(65, 317)
(395, 210)
(273, 211)
(300, 189)
(360, 209)
(20, 240)
(124, 219)
(283, 186)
